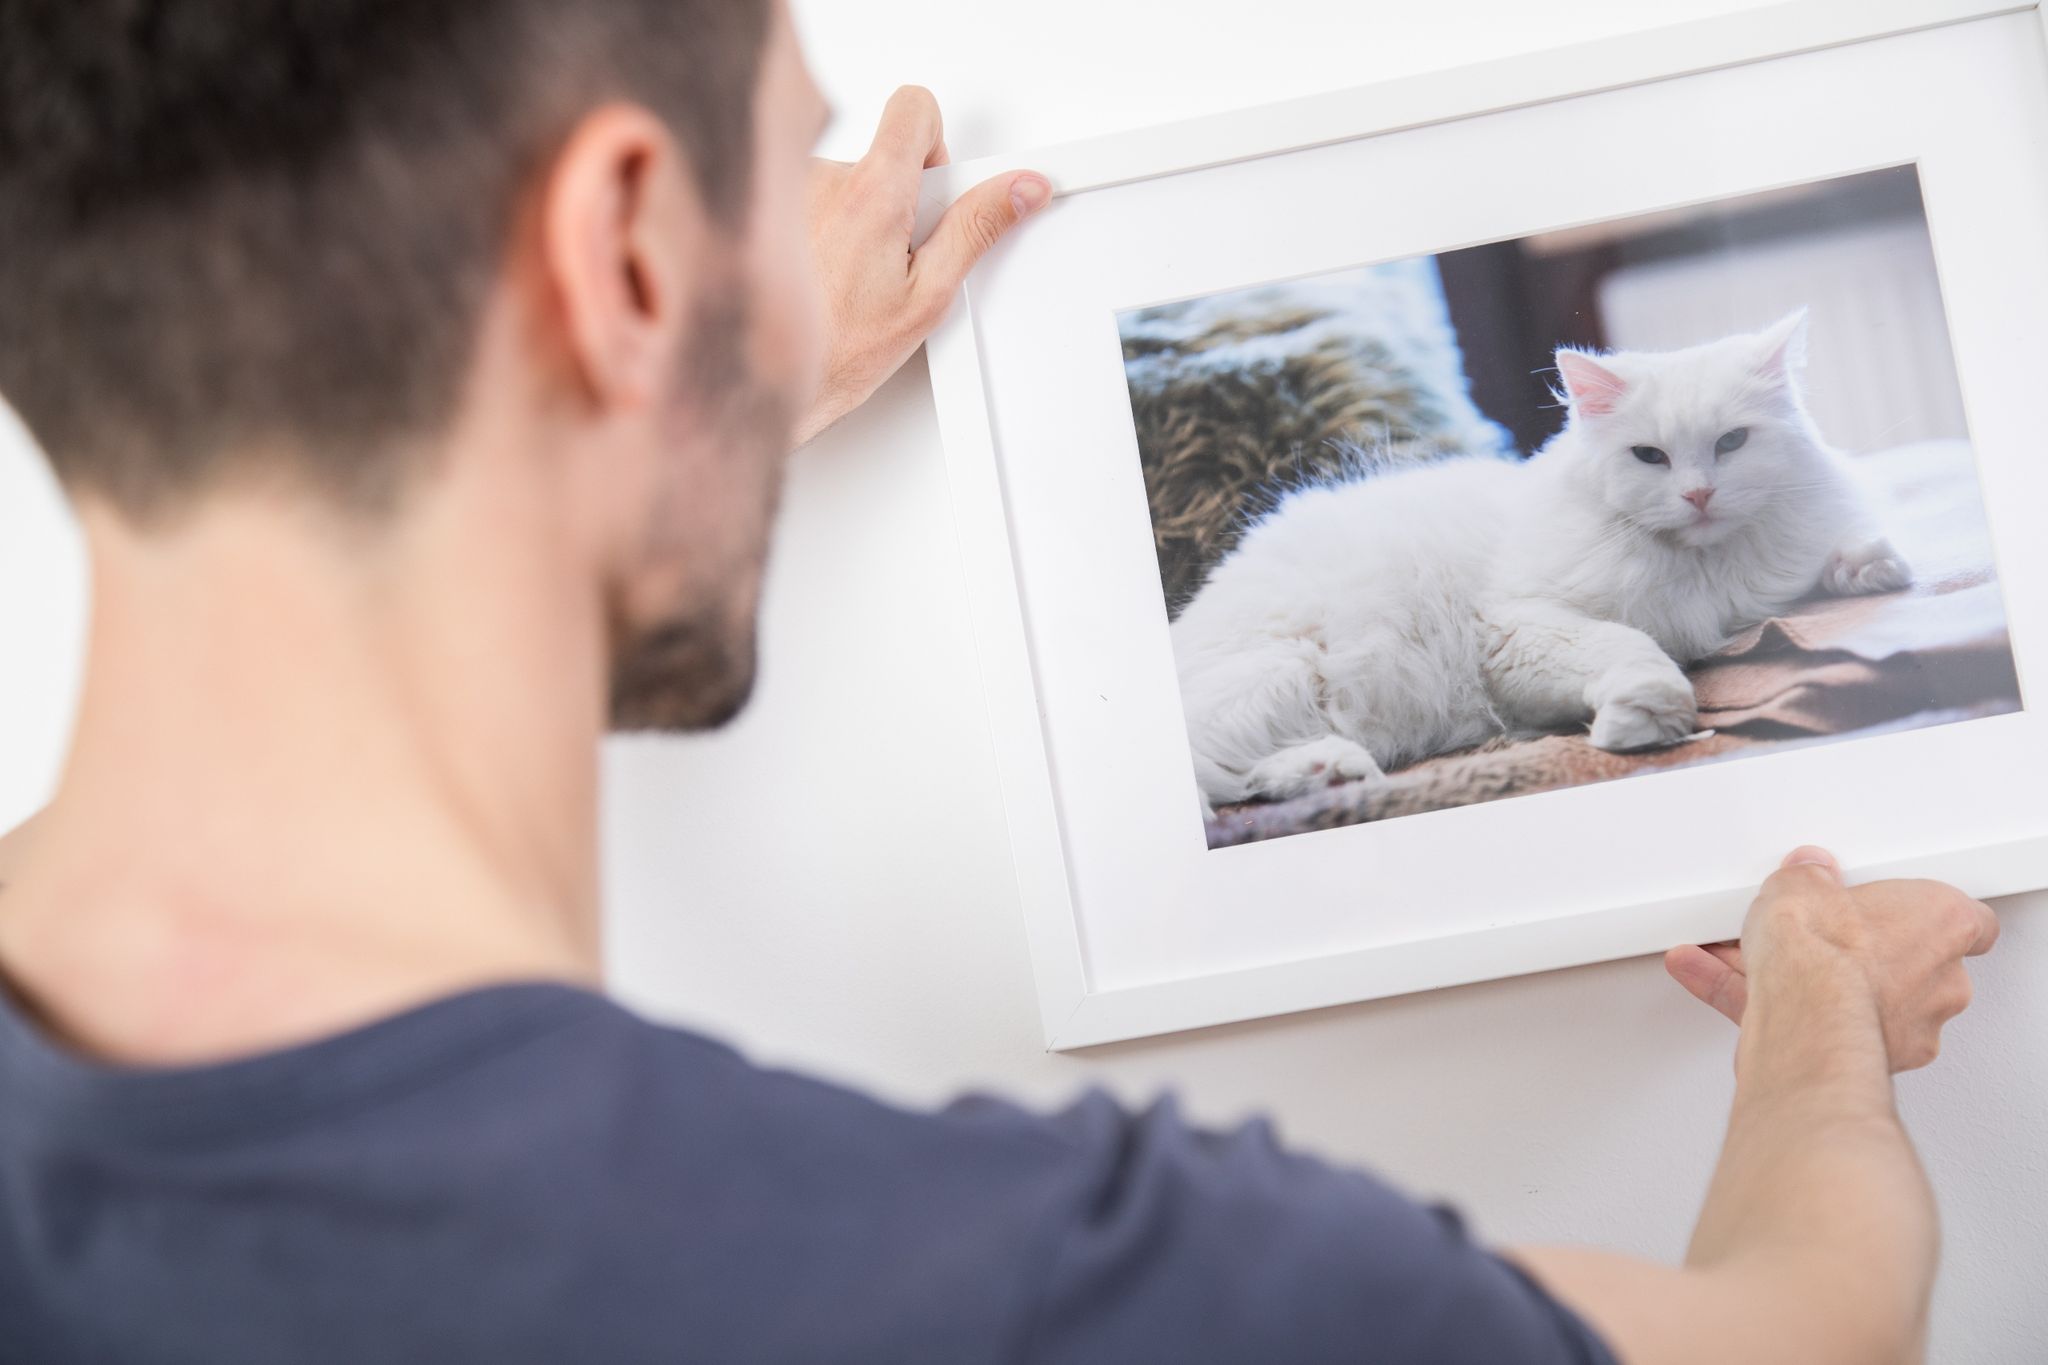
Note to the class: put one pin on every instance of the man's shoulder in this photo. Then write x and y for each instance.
(627, 1071)
(652, 1150)
(650, 1095)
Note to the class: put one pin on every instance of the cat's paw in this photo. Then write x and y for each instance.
(1643, 708)
(1864, 565)
(1330, 761)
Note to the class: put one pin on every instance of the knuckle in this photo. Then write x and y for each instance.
(864, 182)
(1961, 919)
(1806, 877)
(986, 225)
(930, 308)
(1957, 996)
(1920, 1047)
(1799, 884)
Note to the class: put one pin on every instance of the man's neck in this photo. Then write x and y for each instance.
(319, 773)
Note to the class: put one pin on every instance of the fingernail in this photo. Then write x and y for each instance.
(1030, 193)
(1818, 856)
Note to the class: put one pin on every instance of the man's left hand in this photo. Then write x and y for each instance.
(882, 298)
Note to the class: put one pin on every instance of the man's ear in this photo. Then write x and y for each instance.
(622, 229)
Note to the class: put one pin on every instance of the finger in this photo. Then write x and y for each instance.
(1709, 979)
(938, 155)
(1808, 871)
(1952, 994)
(1987, 931)
(911, 131)
(975, 223)
(1970, 926)
(1730, 953)
(1818, 857)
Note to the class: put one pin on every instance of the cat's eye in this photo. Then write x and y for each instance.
(1651, 455)
(1732, 441)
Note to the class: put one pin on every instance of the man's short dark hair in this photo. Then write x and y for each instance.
(265, 229)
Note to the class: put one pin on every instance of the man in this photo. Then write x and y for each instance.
(421, 373)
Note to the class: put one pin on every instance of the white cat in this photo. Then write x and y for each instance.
(1366, 625)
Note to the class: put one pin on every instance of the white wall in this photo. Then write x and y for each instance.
(828, 883)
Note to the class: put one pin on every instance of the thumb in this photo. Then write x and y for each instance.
(976, 222)
(1796, 876)
(1818, 857)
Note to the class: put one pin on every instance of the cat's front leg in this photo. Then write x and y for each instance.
(1864, 563)
(1299, 769)
(1642, 705)
(1549, 666)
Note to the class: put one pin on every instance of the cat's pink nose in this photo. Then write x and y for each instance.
(1700, 497)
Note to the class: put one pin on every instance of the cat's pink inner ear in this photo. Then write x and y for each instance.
(1595, 390)
(1784, 347)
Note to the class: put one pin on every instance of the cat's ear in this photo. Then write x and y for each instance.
(1592, 389)
(1781, 347)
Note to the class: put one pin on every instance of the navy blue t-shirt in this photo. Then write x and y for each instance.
(531, 1173)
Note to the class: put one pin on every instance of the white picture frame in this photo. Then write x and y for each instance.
(1082, 1002)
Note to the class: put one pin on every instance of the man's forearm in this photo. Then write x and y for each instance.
(1816, 1245)
(1818, 1240)
(1818, 1188)
(1815, 1153)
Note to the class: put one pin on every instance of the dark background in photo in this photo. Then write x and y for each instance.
(1512, 304)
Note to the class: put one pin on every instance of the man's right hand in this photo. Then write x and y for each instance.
(1898, 947)
(1819, 1237)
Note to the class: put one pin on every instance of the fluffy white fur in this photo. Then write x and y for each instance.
(1369, 624)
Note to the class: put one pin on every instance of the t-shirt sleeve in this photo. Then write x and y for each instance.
(1193, 1247)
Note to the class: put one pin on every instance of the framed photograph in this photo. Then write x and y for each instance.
(1475, 524)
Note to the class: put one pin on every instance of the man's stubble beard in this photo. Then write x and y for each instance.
(695, 668)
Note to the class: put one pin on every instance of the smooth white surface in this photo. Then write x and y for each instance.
(829, 883)
(1102, 800)
(42, 623)
(1674, 45)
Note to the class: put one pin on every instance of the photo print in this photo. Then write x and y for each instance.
(1688, 487)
